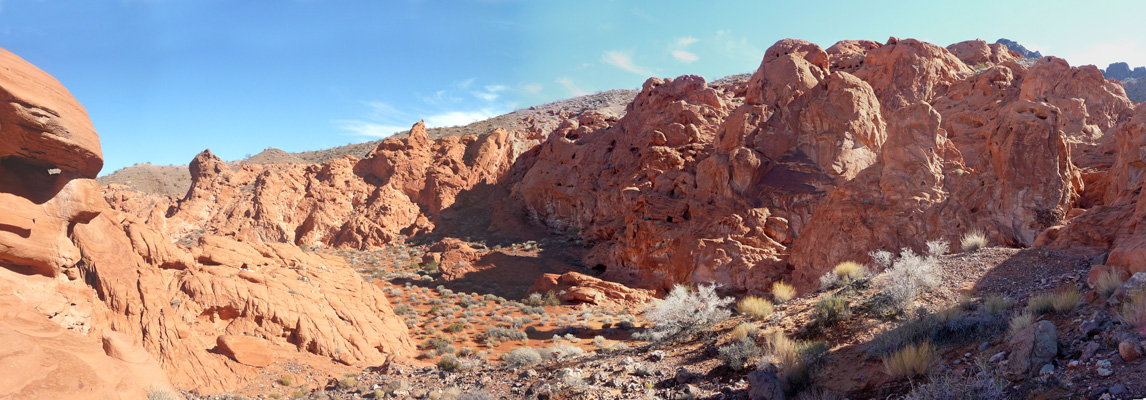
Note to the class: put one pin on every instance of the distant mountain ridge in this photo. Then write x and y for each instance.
(1133, 80)
(1016, 47)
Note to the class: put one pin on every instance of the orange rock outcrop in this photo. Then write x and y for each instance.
(99, 303)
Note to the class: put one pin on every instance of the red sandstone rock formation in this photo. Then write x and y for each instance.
(91, 297)
(822, 156)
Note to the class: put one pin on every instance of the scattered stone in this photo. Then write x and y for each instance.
(684, 376)
(1089, 351)
(1118, 390)
(1104, 368)
(539, 390)
(997, 357)
(764, 386)
(1129, 350)
(657, 355)
(1031, 348)
(1047, 369)
(248, 350)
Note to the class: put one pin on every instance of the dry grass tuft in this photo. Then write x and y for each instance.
(755, 307)
(745, 330)
(783, 292)
(996, 304)
(973, 241)
(1066, 300)
(849, 271)
(1108, 282)
(911, 361)
(1134, 311)
(1020, 322)
(1041, 304)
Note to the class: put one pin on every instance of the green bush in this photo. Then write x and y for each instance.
(738, 354)
(833, 308)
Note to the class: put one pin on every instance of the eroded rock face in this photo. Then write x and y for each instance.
(42, 360)
(274, 292)
(96, 300)
(821, 157)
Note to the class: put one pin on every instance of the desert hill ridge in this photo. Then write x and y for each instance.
(174, 180)
(393, 267)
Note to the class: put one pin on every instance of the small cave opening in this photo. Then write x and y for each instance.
(598, 269)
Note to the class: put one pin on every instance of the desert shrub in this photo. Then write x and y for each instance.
(533, 300)
(908, 332)
(940, 329)
(599, 341)
(737, 354)
(910, 361)
(521, 357)
(455, 327)
(1041, 304)
(449, 362)
(833, 308)
(347, 383)
(1108, 282)
(882, 258)
(960, 329)
(685, 311)
(403, 309)
(431, 267)
(504, 334)
(755, 307)
(551, 299)
(465, 351)
(908, 277)
(1020, 322)
(560, 352)
(782, 292)
(158, 393)
(973, 241)
(286, 380)
(1133, 311)
(937, 248)
(795, 362)
(996, 304)
(745, 330)
(955, 387)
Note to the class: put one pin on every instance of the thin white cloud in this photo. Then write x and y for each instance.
(685, 41)
(459, 118)
(444, 108)
(533, 88)
(568, 84)
(624, 60)
(733, 45)
(679, 51)
(684, 56)
(370, 129)
(490, 93)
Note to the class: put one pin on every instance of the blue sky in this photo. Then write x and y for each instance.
(165, 79)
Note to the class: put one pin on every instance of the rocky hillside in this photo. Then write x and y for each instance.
(174, 180)
(1018, 48)
(824, 191)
